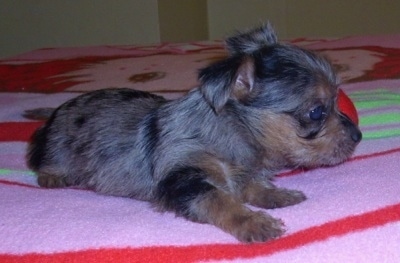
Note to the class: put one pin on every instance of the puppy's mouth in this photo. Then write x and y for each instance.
(339, 156)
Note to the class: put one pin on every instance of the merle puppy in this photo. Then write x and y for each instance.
(265, 107)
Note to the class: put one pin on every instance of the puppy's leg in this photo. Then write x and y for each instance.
(269, 196)
(187, 193)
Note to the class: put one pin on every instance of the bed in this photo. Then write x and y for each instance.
(352, 213)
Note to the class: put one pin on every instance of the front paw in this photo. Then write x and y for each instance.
(257, 227)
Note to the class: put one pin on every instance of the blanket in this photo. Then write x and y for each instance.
(352, 213)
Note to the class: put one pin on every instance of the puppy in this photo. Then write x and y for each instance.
(265, 107)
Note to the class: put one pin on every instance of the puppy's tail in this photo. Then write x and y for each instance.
(249, 41)
(38, 114)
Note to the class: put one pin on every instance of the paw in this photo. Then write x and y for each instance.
(257, 227)
(284, 197)
(50, 181)
(270, 198)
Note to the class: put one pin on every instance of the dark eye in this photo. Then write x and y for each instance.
(317, 113)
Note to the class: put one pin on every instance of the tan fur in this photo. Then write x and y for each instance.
(227, 213)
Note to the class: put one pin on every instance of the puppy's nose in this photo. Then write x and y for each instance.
(356, 135)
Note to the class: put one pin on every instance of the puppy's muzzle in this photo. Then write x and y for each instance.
(354, 131)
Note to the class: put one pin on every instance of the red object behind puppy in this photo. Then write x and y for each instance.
(346, 106)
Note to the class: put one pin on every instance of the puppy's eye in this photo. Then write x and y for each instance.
(317, 113)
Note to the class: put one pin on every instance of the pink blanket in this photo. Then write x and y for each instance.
(352, 213)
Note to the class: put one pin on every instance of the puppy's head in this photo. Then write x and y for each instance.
(286, 95)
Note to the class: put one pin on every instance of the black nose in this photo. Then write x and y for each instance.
(355, 133)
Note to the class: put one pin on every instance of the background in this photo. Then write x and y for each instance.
(32, 24)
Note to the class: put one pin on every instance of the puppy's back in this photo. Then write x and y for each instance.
(105, 124)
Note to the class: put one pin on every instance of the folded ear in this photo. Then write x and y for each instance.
(232, 78)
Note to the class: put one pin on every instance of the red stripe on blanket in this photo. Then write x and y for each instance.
(20, 184)
(219, 251)
(356, 158)
(377, 154)
(17, 131)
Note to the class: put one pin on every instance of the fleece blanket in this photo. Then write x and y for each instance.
(352, 213)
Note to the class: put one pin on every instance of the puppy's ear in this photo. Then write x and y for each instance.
(249, 41)
(244, 80)
(232, 78)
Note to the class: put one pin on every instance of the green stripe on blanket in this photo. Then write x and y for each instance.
(10, 171)
(379, 112)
